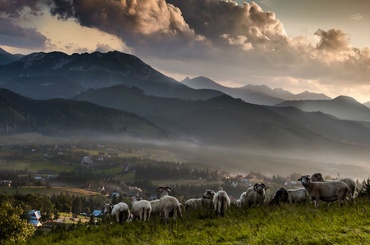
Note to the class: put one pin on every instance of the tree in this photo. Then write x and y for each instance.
(77, 205)
(12, 228)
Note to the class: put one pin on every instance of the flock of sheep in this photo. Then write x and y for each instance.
(315, 189)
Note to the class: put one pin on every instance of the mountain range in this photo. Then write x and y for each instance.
(255, 94)
(62, 117)
(58, 75)
(225, 120)
(6, 58)
(342, 107)
(117, 93)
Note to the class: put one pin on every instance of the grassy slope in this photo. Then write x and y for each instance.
(282, 225)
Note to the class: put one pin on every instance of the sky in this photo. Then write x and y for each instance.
(320, 46)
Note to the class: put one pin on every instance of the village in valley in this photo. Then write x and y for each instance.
(84, 177)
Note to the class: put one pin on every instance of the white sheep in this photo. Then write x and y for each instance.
(325, 191)
(255, 195)
(298, 195)
(291, 196)
(205, 202)
(221, 202)
(350, 182)
(141, 209)
(169, 206)
(119, 211)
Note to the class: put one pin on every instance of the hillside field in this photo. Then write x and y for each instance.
(330, 224)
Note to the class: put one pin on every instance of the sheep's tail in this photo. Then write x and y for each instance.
(223, 205)
(217, 205)
(143, 215)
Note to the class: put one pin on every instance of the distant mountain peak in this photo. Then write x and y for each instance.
(346, 99)
(2, 51)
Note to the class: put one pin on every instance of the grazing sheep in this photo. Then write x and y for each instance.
(120, 211)
(221, 202)
(141, 209)
(298, 195)
(156, 208)
(205, 202)
(350, 182)
(169, 206)
(255, 195)
(325, 191)
(193, 203)
(280, 196)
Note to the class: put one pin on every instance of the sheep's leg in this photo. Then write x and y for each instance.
(166, 215)
(142, 214)
(147, 215)
(317, 202)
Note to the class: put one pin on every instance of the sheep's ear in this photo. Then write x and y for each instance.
(300, 179)
(168, 189)
(160, 188)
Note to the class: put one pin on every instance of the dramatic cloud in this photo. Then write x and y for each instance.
(14, 35)
(221, 39)
(228, 20)
(144, 21)
(332, 40)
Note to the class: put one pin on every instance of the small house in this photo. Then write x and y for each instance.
(34, 217)
(97, 213)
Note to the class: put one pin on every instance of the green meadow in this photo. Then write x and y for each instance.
(285, 224)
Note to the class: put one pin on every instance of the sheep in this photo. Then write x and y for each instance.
(156, 207)
(325, 191)
(281, 195)
(205, 202)
(255, 195)
(120, 211)
(141, 209)
(298, 195)
(167, 205)
(221, 202)
(350, 182)
(291, 196)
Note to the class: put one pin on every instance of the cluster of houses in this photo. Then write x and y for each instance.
(102, 157)
(6, 182)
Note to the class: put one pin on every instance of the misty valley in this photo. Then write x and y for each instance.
(83, 130)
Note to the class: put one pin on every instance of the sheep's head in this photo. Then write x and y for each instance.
(133, 199)
(208, 194)
(281, 195)
(107, 208)
(305, 180)
(259, 187)
(164, 190)
(317, 177)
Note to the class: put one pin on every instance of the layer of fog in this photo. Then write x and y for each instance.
(346, 163)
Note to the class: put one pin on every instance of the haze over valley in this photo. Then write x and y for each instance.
(116, 97)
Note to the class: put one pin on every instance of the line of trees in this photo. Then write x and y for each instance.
(50, 207)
